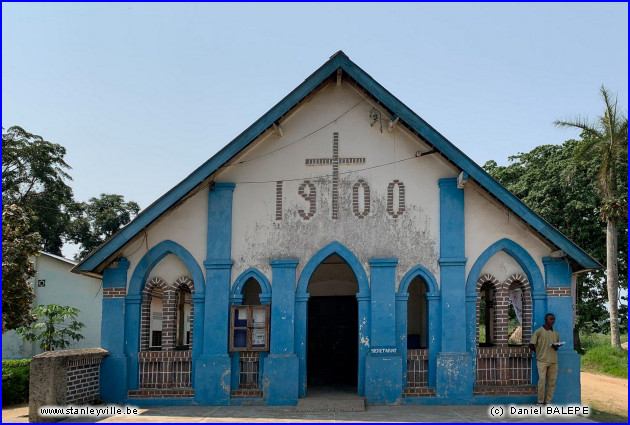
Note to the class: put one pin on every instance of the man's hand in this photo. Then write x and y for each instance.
(555, 347)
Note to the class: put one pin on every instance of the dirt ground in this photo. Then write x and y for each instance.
(605, 393)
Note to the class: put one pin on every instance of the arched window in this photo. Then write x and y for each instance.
(519, 310)
(184, 288)
(154, 333)
(417, 327)
(488, 304)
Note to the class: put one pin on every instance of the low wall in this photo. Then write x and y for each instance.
(60, 378)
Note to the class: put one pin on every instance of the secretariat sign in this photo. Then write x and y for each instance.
(308, 191)
(383, 351)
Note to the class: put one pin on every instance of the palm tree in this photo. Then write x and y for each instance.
(607, 139)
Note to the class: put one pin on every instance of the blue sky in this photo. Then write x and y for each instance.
(142, 94)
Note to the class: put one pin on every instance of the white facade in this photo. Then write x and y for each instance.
(307, 133)
(63, 288)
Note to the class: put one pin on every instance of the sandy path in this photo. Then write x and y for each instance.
(605, 393)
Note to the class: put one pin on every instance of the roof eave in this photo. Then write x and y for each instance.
(338, 60)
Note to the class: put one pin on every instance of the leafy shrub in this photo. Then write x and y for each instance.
(600, 357)
(15, 379)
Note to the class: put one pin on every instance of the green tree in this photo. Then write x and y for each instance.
(607, 140)
(98, 219)
(565, 194)
(56, 325)
(18, 245)
(34, 177)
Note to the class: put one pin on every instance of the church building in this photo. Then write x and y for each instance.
(339, 241)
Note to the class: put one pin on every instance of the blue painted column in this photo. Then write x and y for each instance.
(280, 386)
(471, 332)
(435, 333)
(401, 331)
(301, 314)
(199, 304)
(558, 274)
(454, 375)
(132, 339)
(383, 372)
(213, 367)
(365, 325)
(113, 385)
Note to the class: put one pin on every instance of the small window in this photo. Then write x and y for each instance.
(486, 315)
(249, 328)
(156, 319)
(184, 302)
(515, 315)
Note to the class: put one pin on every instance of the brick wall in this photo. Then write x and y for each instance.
(114, 292)
(64, 377)
(501, 306)
(82, 382)
(562, 291)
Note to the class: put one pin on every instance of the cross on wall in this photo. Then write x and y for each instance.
(336, 162)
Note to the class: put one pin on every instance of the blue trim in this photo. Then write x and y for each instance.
(383, 302)
(301, 309)
(239, 283)
(557, 272)
(134, 299)
(219, 231)
(434, 316)
(236, 298)
(339, 60)
(325, 252)
(514, 250)
(155, 254)
(150, 402)
(531, 270)
(424, 273)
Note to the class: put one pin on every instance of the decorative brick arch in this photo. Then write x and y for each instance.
(520, 281)
(186, 282)
(167, 321)
(498, 300)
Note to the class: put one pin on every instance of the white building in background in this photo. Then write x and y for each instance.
(54, 284)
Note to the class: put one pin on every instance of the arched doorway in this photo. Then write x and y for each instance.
(333, 331)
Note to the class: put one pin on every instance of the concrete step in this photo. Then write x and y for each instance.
(330, 400)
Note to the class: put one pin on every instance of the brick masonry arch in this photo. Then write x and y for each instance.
(145, 320)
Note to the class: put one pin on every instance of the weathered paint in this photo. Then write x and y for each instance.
(212, 379)
(383, 379)
(446, 235)
(280, 386)
(367, 83)
(295, 237)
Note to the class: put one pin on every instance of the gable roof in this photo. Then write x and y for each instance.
(339, 60)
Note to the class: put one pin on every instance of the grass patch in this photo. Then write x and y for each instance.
(600, 357)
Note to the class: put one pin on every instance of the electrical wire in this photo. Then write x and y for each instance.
(296, 141)
(341, 172)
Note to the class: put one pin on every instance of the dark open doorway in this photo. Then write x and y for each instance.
(333, 330)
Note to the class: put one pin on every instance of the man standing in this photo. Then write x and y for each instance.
(546, 342)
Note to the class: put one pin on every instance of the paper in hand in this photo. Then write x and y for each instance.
(558, 344)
